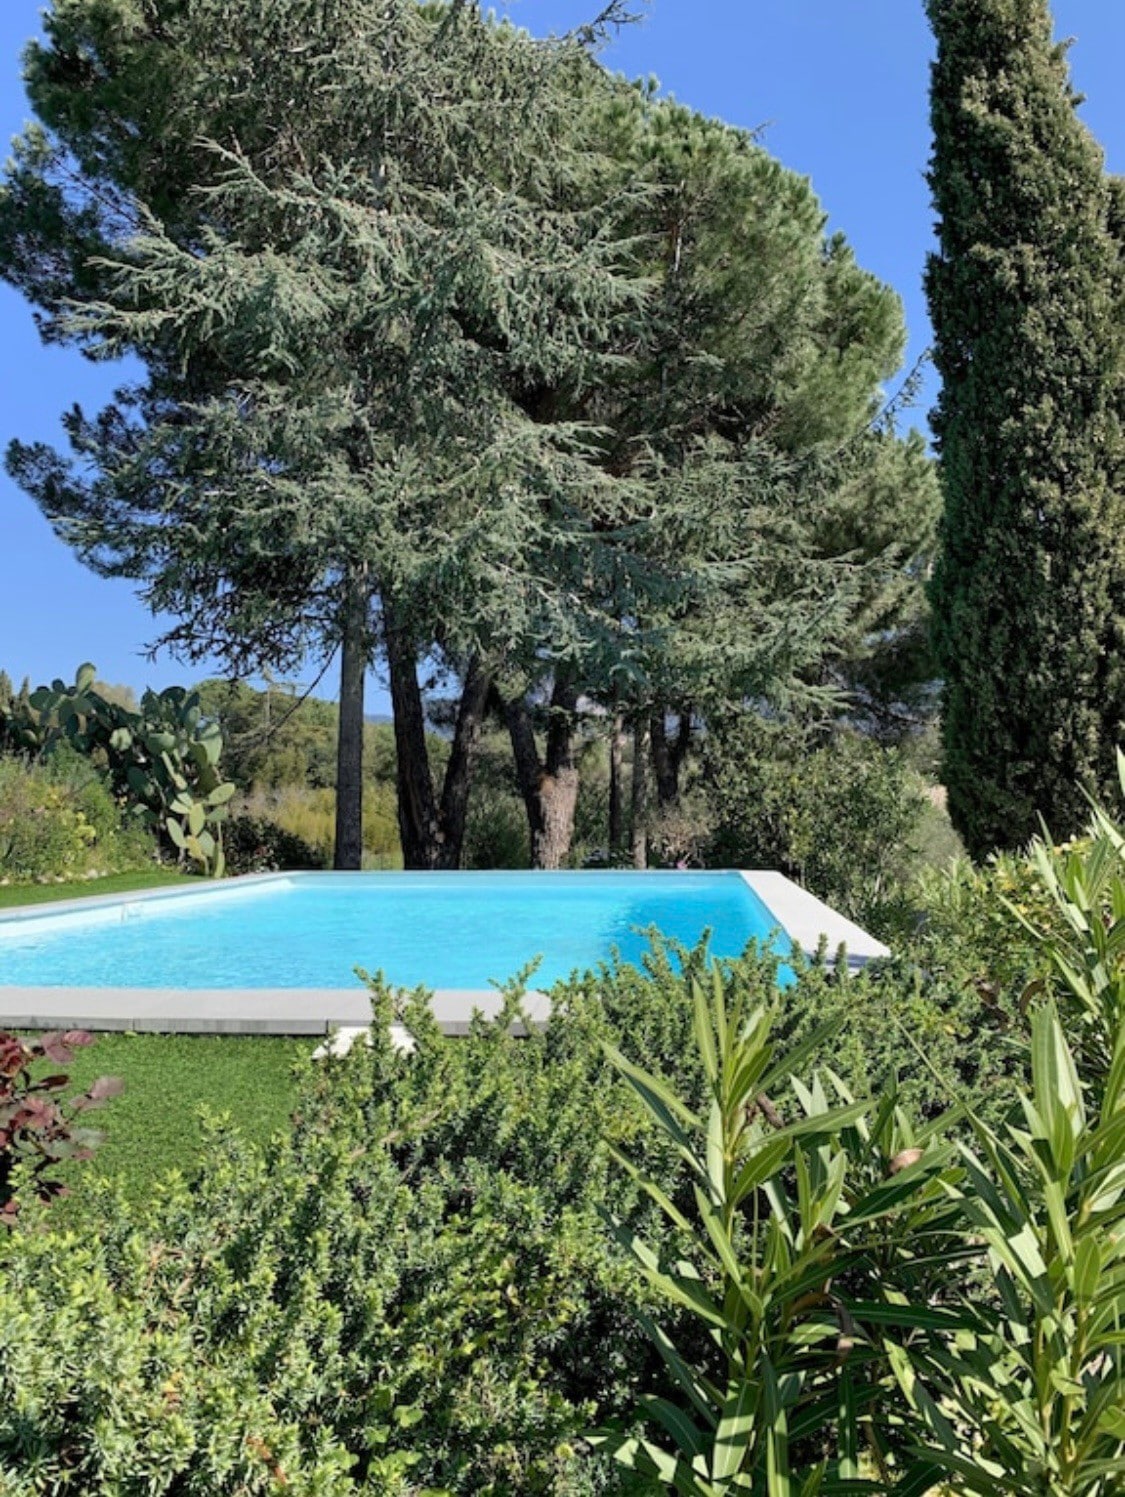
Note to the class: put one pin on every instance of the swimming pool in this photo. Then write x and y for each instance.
(293, 939)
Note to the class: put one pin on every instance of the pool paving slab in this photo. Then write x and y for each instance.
(321, 1011)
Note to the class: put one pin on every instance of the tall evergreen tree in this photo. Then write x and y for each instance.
(759, 368)
(1024, 291)
(344, 255)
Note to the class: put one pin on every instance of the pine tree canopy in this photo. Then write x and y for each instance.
(336, 300)
(1026, 296)
(756, 369)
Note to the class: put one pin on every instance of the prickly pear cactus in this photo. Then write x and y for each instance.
(163, 761)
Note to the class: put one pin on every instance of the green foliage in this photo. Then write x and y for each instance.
(1031, 1399)
(58, 820)
(969, 1042)
(496, 831)
(273, 738)
(162, 761)
(342, 425)
(990, 1293)
(792, 1222)
(416, 1285)
(254, 844)
(310, 816)
(1025, 291)
(560, 321)
(839, 818)
(38, 1131)
(415, 1288)
(967, 929)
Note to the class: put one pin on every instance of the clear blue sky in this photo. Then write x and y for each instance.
(840, 87)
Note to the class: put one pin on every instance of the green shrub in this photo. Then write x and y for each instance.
(59, 821)
(496, 830)
(885, 1311)
(161, 761)
(800, 1217)
(417, 1287)
(967, 926)
(842, 819)
(254, 844)
(415, 1290)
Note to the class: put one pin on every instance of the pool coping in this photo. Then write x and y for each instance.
(318, 1011)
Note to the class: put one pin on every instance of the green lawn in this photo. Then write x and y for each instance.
(154, 1126)
(13, 895)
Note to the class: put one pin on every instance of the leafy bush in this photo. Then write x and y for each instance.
(254, 844)
(37, 1131)
(898, 1026)
(840, 819)
(58, 821)
(797, 1224)
(413, 1292)
(967, 925)
(416, 1291)
(496, 830)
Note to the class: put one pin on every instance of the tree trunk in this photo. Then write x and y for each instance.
(550, 787)
(617, 788)
(668, 755)
(354, 650)
(432, 835)
(458, 771)
(418, 825)
(642, 747)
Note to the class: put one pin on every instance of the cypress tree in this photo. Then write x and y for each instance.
(1029, 588)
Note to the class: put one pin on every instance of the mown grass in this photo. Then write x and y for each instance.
(14, 895)
(155, 1125)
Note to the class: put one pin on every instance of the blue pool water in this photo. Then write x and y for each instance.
(454, 930)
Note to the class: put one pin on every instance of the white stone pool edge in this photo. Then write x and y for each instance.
(319, 1011)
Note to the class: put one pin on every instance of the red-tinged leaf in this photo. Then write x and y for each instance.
(61, 1047)
(34, 1113)
(52, 1083)
(54, 1047)
(14, 1058)
(105, 1087)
